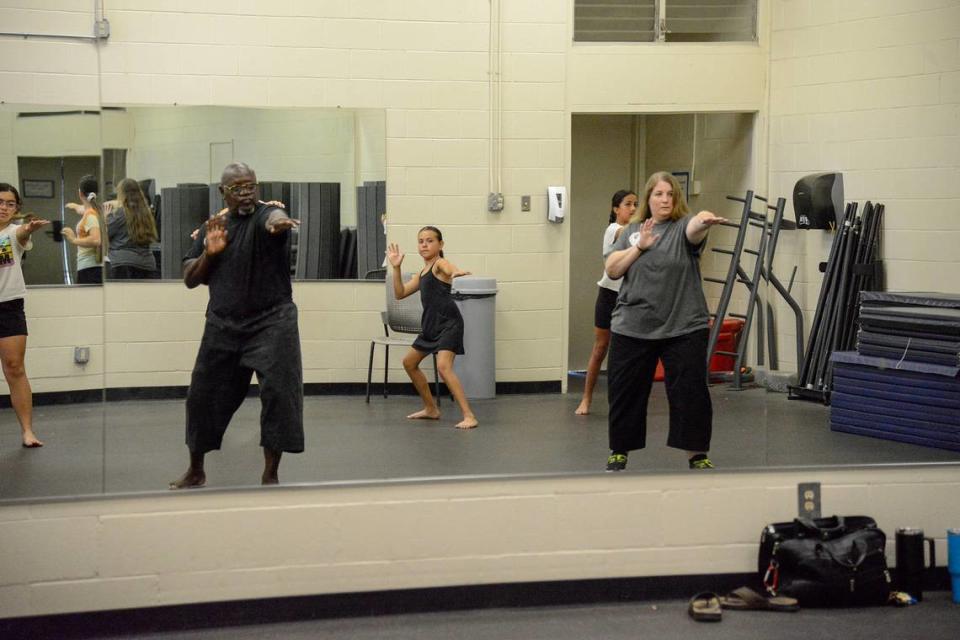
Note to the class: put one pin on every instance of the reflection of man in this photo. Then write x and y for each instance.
(251, 326)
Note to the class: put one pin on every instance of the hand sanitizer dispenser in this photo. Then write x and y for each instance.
(556, 203)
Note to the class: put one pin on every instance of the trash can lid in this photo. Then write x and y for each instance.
(474, 285)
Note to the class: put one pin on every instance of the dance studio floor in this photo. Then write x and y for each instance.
(138, 445)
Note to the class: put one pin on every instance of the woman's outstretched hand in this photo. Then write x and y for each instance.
(709, 218)
(647, 239)
(394, 257)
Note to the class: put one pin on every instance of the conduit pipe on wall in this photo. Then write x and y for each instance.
(101, 29)
(495, 93)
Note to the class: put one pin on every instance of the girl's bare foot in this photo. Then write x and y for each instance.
(190, 480)
(583, 409)
(30, 440)
(425, 414)
(467, 423)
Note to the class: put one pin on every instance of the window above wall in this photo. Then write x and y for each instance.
(665, 21)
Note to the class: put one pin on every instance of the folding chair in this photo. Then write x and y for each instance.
(402, 318)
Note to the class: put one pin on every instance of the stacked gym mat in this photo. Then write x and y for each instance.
(902, 382)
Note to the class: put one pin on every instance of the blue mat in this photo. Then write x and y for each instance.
(912, 402)
(898, 437)
(897, 377)
(918, 394)
(948, 433)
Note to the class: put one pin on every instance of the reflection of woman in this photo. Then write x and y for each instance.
(14, 240)
(622, 207)
(88, 236)
(131, 229)
(661, 314)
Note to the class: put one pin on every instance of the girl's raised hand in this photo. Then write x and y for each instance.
(394, 257)
(34, 224)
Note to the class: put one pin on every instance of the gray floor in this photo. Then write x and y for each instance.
(934, 619)
(141, 448)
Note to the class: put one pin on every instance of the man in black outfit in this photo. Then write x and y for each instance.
(243, 257)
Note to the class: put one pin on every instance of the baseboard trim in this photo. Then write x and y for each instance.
(350, 605)
(309, 389)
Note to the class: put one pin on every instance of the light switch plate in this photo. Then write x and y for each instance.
(524, 203)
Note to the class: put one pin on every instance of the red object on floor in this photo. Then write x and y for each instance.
(727, 341)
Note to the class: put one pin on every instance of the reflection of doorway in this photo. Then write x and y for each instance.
(617, 151)
(52, 262)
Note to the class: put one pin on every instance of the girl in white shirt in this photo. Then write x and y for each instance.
(622, 207)
(14, 241)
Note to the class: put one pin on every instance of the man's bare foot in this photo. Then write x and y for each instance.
(583, 409)
(425, 414)
(467, 423)
(30, 440)
(190, 480)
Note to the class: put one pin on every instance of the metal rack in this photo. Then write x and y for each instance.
(762, 271)
(737, 274)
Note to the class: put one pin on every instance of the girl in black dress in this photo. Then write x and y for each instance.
(441, 327)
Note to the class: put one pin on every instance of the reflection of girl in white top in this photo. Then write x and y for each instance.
(14, 241)
(622, 207)
(89, 233)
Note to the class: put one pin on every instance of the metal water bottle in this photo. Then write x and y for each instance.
(910, 564)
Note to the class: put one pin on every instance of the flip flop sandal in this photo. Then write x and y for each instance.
(746, 598)
(705, 607)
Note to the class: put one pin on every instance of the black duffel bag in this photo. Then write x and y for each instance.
(826, 562)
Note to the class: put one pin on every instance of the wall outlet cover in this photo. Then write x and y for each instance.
(808, 500)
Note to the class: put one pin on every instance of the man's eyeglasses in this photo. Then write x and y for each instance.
(8, 203)
(241, 189)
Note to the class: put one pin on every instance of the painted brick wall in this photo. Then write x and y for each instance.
(871, 89)
(102, 553)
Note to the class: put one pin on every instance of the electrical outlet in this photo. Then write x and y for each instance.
(81, 355)
(808, 499)
(524, 203)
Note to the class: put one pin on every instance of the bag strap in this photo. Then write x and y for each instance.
(823, 532)
(844, 562)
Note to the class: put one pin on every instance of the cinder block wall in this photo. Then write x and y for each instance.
(871, 89)
(209, 546)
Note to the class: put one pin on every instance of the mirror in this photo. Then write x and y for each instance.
(46, 150)
(326, 165)
(152, 328)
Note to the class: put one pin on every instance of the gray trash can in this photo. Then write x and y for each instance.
(477, 368)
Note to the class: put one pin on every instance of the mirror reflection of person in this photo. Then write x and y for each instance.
(14, 241)
(88, 235)
(273, 203)
(623, 205)
(661, 314)
(251, 327)
(441, 325)
(131, 229)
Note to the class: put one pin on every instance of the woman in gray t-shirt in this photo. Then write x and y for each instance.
(661, 314)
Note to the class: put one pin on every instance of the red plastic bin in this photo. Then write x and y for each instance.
(727, 341)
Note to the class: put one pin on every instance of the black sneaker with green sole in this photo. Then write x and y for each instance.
(616, 462)
(701, 461)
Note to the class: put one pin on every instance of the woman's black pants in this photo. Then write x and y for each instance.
(631, 368)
